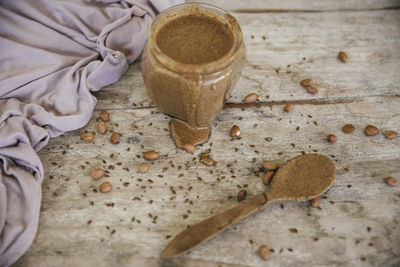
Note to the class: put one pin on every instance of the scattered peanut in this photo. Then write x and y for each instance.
(342, 56)
(306, 82)
(114, 139)
(331, 138)
(267, 177)
(88, 137)
(264, 252)
(105, 187)
(271, 166)
(97, 173)
(241, 195)
(390, 134)
(371, 130)
(288, 107)
(189, 148)
(348, 128)
(104, 115)
(206, 159)
(312, 89)
(315, 202)
(143, 167)
(150, 155)
(391, 181)
(101, 127)
(251, 98)
(235, 131)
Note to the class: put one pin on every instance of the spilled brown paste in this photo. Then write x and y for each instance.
(195, 39)
(183, 133)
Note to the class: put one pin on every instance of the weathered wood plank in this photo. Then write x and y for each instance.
(357, 225)
(302, 5)
(371, 39)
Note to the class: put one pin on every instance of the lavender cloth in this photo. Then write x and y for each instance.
(53, 54)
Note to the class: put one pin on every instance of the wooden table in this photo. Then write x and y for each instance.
(358, 222)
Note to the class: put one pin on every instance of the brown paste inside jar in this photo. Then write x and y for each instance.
(194, 39)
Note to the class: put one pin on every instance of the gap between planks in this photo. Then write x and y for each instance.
(313, 11)
(259, 104)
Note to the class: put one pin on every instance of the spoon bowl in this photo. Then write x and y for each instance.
(302, 178)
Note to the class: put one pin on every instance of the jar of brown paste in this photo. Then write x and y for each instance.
(193, 57)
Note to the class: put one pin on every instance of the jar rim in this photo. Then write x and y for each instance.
(208, 67)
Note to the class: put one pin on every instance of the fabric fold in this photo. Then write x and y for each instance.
(53, 55)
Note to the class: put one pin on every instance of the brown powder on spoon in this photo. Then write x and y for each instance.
(301, 177)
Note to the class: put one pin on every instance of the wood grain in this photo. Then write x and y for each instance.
(262, 6)
(200, 191)
(276, 66)
(358, 220)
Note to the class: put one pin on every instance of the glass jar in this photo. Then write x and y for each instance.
(191, 93)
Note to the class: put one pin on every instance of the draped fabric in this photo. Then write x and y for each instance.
(53, 54)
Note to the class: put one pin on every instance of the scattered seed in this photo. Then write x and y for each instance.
(143, 167)
(271, 166)
(288, 107)
(206, 160)
(390, 134)
(251, 98)
(104, 115)
(88, 137)
(97, 173)
(312, 89)
(114, 139)
(241, 195)
(269, 139)
(342, 56)
(105, 187)
(189, 148)
(150, 155)
(391, 181)
(315, 202)
(306, 82)
(331, 138)
(101, 127)
(264, 252)
(293, 230)
(371, 130)
(235, 131)
(267, 177)
(348, 128)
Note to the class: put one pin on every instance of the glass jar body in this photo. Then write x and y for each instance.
(192, 93)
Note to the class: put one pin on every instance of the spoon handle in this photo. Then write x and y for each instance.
(203, 231)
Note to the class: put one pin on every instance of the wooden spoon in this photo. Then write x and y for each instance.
(302, 178)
